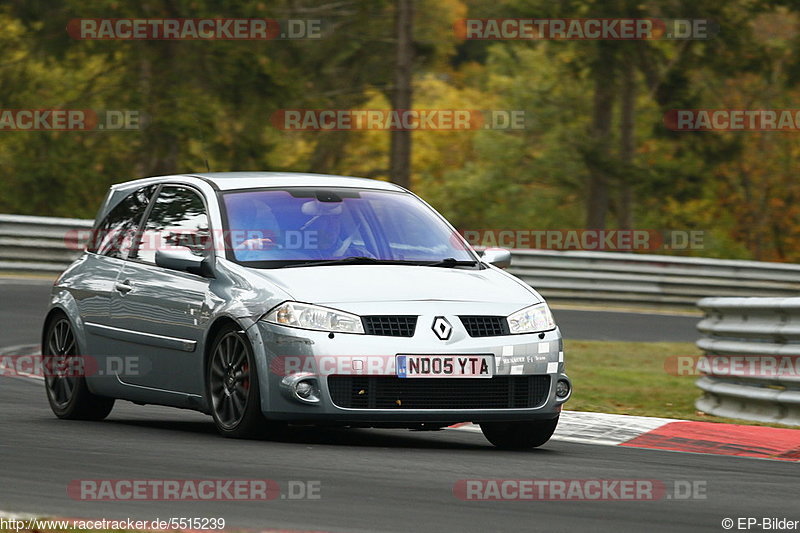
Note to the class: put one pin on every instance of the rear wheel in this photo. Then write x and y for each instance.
(519, 435)
(67, 392)
(232, 384)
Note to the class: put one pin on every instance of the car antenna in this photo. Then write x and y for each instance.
(205, 155)
(203, 147)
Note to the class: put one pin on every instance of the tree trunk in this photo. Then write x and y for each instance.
(159, 142)
(400, 156)
(598, 156)
(627, 147)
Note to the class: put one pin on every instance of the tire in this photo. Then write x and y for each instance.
(233, 387)
(519, 435)
(67, 392)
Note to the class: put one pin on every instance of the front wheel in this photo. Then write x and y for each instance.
(232, 384)
(519, 435)
(64, 380)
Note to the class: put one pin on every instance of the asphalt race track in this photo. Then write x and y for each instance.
(370, 480)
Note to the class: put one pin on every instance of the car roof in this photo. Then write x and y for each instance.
(227, 181)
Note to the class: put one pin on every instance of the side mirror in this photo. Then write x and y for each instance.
(499, 257)
(183, 260)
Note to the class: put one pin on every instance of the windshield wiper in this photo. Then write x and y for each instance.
(451, 262)
(353, 260)
(364, 260)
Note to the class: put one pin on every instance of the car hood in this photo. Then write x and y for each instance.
(398, 283)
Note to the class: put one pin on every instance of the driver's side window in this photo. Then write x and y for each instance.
(115, 234)
(178, 219)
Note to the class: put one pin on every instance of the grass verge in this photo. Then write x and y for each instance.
(631, 378)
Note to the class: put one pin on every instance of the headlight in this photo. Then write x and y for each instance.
(308, 316)
(532, 319)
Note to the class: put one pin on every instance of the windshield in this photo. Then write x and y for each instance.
(270, 228)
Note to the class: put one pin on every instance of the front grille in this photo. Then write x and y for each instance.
(390, 392)
(485, 326)
(390, 325)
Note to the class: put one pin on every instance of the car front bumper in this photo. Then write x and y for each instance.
(366, 364)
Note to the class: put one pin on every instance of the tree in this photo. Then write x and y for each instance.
(400, 157)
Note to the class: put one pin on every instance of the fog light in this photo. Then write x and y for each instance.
(304, 389)
(562, 388)
(301, 387)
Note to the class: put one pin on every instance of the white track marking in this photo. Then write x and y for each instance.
(596, 428)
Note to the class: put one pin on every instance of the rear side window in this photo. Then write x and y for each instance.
(114, 236)
(178, 219)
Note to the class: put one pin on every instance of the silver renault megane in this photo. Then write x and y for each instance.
(265, 299)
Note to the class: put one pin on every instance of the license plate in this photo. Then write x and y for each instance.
(445, 366)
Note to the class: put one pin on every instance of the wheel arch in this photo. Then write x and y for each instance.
(51, 314)
(212, 332)
(208, 344)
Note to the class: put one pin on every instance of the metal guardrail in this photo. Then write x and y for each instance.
(39, 244)
(752, 359)
(628, 278)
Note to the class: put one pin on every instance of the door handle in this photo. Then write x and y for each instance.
(124, 286)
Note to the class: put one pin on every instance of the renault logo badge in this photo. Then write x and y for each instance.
(442, 328)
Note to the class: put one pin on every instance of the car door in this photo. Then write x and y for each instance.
(160, 314)
(94, 284)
